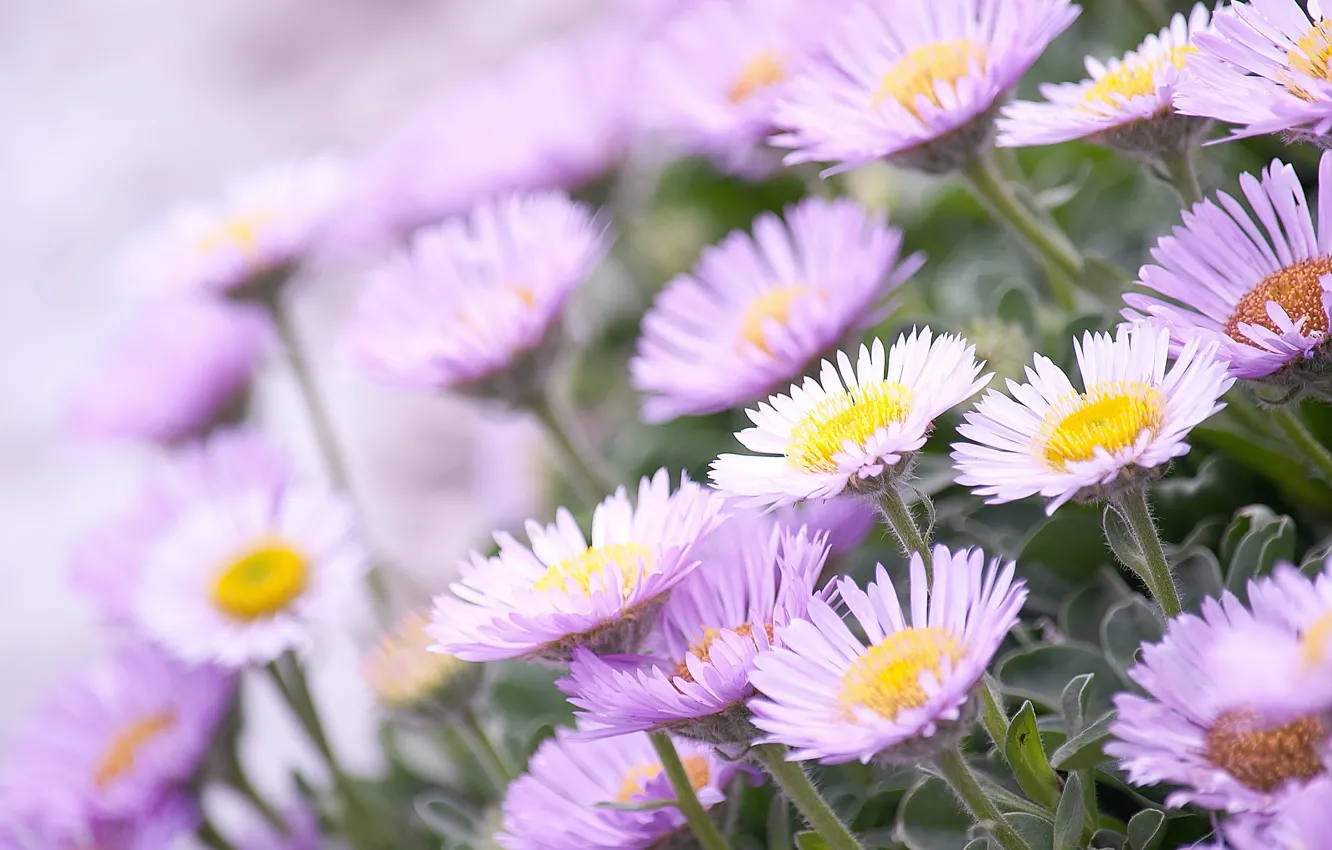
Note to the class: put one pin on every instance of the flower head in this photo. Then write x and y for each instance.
(831, 697)
(557, 804)
(755, 579)
(853, 429)
(1303, 821)
(844, 522)
(1262, 295)
(566, 591)
(475, 301)
(1126, 104)
(757, 310)
(406, 675)
(1132, 418)
(917, 88)
(1264, 66)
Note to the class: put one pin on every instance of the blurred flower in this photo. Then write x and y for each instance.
(302, 831)
(183, 369)
(1132, 419)
(1265, 66)
(407, 676)
(845, 522)
(1303, 821)
(755, 579)
(556, 805)
(1264, 299)
(262, 225)
(852, 432)
(563, 593)
(1126, 105)
(109, 744)
(918, 89)
(758, 310)
(1199, 731)
(475, 301)
(908, 693)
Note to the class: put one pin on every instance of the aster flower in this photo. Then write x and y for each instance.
(854, 429)
(475, 301)
(184, 366)
(1131, 420)
(1126, 104)
(905, 695)
(917, 88)
(1265, 67)
(1257, 294)
(754, 581)
(407, 676)
(566, 591)
(262, 225)
(1303, 822)
(557, 804)
(844, 522)
(110, 743)
(756, 311)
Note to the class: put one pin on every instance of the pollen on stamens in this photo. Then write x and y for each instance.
(638, 776)
(1311, 56)
(124, 749)
(1135, 78)
(887, 678)
(765, 69)
(851, 416)
(1265, 757)
(702, 650)
(1108, 417)
(585, 570)
(774, 305)
(918, 73)
(1297, 288)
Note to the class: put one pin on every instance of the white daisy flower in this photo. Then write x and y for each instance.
(854, 426)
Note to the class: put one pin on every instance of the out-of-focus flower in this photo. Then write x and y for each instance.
(1126, 105)
(715, 624)
(906, 695)
(756, 311)
(108, 745)
(407, 676)
(1132, 419)
(1303, 821)
(475, 302)
(564, 592)
(183, 368)
(845, 522)
(556, 805)
(303, 833)
(854, 431)
(918, 89)
(261, 226)
(1264, 65)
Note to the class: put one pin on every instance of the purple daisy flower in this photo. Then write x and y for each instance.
(1302, 822)
(185, 366)
(108, 744)
(1262, 295)
(1264, 66)
(474, 302)
(755, 580)
(845, 522)
(167, 823)
(908, 693)
(758, 310)
(557, 804)
(564, 591)
(916, 85)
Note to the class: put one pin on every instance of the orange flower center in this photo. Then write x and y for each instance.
(1296, 288)
(125, 746)
(1265, 757)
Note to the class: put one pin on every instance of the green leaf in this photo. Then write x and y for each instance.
(1255, 540)
(1122, 542)
(1146, 830)
(1070, 815)
(1041, 673)
(930, 818)
(1038, 833)
(444, 815)
(978, 844)
(1106, 839)
(1074, 703)
(1085, 749)
(1126, 627)
(1241, 523)
(1067, 544)
(1081, 613)
(642, 806)
(1027, 758)
(1198, 575)
(811, 840)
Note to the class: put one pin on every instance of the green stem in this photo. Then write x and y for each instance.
(1156, 574)
(709, 837)
(1044, 241)
(209, 836)
(1183, 176)
(239, 780)
(903, 525)
(959, 777)
(1304, 441)
(487, 754)
(993, 716)
(587, 473)
(794, 782)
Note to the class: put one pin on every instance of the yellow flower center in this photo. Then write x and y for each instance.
(763, 70)
(773, 305)
(886, 679)
(1316, 638)
(918, 73)
(1311, 56)
(1135, 78)
(239, 233)
(1109, 417)
(1296, 288)
(262, 582)
(636, 780)
(1265, 757)
(402, 670)
(586, 568)
(703, 649)
(124, 749)
(851, 416)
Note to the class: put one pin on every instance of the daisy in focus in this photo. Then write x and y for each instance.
(475, 301)
(714, 626)
(918, 89)
(1126, 104)
(854, 429)
(1132, 419)
(407, 676)
(1264, 67)
(1262, 295)
(566, 591)
(757, 310)
(556, 805)
(908, 693)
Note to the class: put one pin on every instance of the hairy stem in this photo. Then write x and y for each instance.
(709, 837)
(794, 782)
